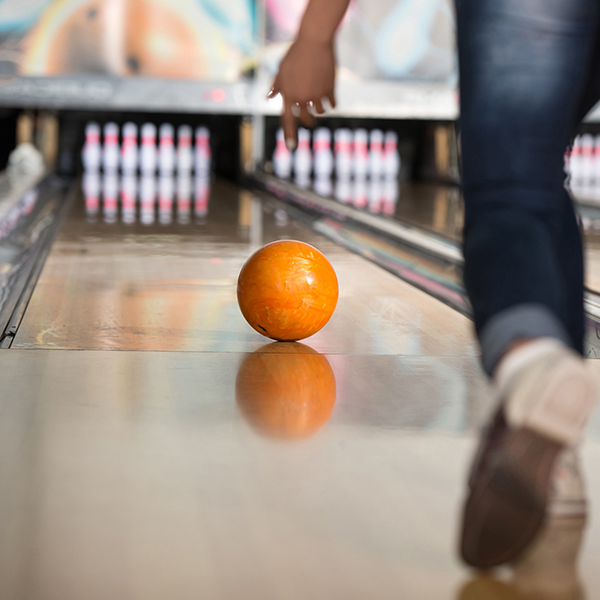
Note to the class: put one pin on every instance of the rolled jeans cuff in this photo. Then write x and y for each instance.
(520, 321)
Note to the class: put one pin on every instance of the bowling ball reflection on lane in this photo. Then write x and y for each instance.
(287, 290)
(285, 390)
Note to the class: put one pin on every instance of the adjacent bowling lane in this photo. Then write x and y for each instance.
(119, 286)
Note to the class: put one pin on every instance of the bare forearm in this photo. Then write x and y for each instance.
(321, 20)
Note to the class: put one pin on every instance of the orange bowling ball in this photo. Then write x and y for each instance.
(287, 290)
(285, 390)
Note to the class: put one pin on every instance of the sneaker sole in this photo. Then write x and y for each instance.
(507, 504)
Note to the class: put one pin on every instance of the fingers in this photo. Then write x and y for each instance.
(275, 88)
(288, 124)
(318, 107)
(331, 97)
(306, 118)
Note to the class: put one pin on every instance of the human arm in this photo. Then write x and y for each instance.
(307, 72)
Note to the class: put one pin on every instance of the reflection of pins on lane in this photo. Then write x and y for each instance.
(282, 157)
(323, 157)
(343, 191)
(91, 154)
(128, 198)
(360, 153)
(302, 156)
(148, 149)
(129, 149)
(391, 156)
(184, 193)
(166, 188)
(323, 186)
(343, 153)
(184, 149)
(375, 195)
(91, 192)
(166, 149)
(110, 151)
(391, 192)
(202, 152)
(376, 153)
(281, 218)
(147, 199)
(110, 192)
(201, 196)
(359, 196)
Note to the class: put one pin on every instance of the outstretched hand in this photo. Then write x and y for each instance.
(306, 77)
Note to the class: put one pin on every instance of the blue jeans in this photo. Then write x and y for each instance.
(529, 72)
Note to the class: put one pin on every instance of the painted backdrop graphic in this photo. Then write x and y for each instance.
(379, 39)
(216, 39)
(197, 39)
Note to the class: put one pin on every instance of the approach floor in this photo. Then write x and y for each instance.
(152, 445)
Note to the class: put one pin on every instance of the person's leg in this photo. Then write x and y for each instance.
(524, 68)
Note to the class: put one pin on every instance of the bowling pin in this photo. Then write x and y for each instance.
(184, 149)
(359, 193)
(391, 156)
(201, 197)
(166, 150)
(148, 149)
(575, 159)
(597, 158)
(202, 152)
(129, 149)
(360, 153)
(323, 157)
(91, 153)
(302, 156)
(587, 157)
(343, 153)
(110, 192)
(376, 153)
(282, 157)
(110, 150)
(343, 190)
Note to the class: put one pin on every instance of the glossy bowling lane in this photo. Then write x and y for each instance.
(201, 460)
(119, 286)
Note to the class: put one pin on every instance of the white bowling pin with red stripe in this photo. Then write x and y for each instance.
(282, 157)
(184, 149)
(166, 150)
(376, 153)
(129, 149)
(391, 156)
(303, 156)
(148, 149)
(92, 150)
(323, 157)
(110, 149)
(202, 152)
(360, 153)
(343, 153)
